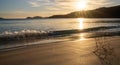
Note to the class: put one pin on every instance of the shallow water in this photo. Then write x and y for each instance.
(14, 31)
(55, 24)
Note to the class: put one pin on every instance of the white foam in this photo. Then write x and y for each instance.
(22, 32)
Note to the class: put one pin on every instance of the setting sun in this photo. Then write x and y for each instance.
(81, 5)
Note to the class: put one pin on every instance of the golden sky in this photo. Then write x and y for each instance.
(24, 8)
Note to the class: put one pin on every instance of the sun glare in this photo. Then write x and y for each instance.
(81, 5)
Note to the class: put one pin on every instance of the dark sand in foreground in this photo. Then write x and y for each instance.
(80, 52)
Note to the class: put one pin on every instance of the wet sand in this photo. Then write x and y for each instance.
(79, 52)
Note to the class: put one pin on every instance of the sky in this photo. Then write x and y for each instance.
(25, 8)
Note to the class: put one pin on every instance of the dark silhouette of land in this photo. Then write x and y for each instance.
(27, 18)
(103, 12)
(1, 18)
(35, 17)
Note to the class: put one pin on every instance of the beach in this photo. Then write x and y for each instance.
(72, 52)
(59, 32)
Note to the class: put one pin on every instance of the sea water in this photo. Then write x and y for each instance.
(41, 29)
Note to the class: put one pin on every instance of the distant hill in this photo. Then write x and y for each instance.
(35, 17)
(104, 12)
(1, 18)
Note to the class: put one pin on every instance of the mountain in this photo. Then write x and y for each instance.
(1, 18)
(35, 17)
(104, 12)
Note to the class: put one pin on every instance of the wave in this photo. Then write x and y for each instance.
(20, 39)
(8, 37)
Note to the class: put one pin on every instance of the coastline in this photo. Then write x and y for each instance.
(77, 52)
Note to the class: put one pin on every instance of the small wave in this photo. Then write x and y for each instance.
(22, 32)
(7, 36)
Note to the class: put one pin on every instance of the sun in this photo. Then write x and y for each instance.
(81, 5)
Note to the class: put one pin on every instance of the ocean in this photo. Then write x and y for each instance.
(14, 33)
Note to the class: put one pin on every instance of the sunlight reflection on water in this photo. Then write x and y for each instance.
(81, 26)
(81, 23)
(82, 36)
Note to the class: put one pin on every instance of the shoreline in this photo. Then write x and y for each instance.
(78, 52)
(25, 43)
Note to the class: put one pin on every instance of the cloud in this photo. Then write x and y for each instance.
(67, 4)
(100, 2)
(34, 4)
(71, 3)
(52, 8)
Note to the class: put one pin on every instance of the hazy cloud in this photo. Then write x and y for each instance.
(67, 4)
(34, 3)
